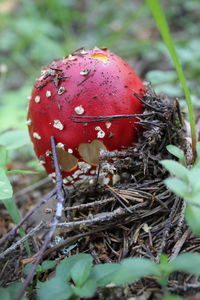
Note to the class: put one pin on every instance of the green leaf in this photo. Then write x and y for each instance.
(198, 148)
(4, 294)
(6, 190)
(192, 214)
(197, 162)
(187, 262)
(39, 270)
(11, 291)
(3, 157)
(165, 266)
(132, 269)
(54, 288)
(27, 269)
(48, 264)
(12, 209)
(175, 168)
(87, 290)
(21, 172)
(194, 181)
(14, 139)
(179, 153)
(177, 186)
(165, 269)
(14, 290)
(81, 270)
(65, 266)
(172, 297)
(16, 217)
(104, 273)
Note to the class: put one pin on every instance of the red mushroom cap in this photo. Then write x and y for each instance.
(95, 82)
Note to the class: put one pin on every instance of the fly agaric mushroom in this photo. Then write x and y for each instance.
(95, 82)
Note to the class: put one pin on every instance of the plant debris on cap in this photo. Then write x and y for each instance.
(86, 83)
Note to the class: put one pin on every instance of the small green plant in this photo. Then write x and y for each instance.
(11, 291)
(186, 184)
(45, 266)
(178, 153)
(9, 141)
(76, 277)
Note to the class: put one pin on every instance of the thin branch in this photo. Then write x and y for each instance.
(104, 217)
(83, 119)
(32, 211)
(119, 198)
(177, 247)
(178, 231)
(22, 240)
(59, 209)
(166, 231)
(90, 204)
(147, 104)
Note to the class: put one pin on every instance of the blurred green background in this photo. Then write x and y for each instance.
(33, 32)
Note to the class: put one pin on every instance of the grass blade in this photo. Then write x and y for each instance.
(159, 17)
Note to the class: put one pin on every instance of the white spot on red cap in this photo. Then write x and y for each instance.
(37, 99)
(48, 94)
(96, 48)
(48, 153)
(61, 90)
(108, 124)
(36, 136)
(71, 57)
(100, 133)
(60, 145)
(57, 124)
(85, 72)
(79, 110)
(70, 150)
(28, 122)
(83, 52)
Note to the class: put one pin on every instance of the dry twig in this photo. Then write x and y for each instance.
(60, 197)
